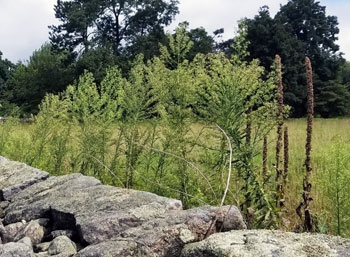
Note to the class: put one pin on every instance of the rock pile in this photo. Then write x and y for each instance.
(75, 215)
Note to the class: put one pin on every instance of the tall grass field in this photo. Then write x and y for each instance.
(151, 157)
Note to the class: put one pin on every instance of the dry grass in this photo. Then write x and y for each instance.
(327, 135)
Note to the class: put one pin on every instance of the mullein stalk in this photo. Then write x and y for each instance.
(279, 186)
(285, 155)
(308, 224)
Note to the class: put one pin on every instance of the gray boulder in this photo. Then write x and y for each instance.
(98, 214)
(109, 219)
(81, 203)
(18, 249)
(34, 230)
(16, 176)
(63, 246)
(267, 243)
(9, 232)
(166, 235)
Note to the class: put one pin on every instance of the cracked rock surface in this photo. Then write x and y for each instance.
(75, 215)
(268, 243)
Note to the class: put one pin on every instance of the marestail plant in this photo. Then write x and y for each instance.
(160, 124)
(175, 108)
(233, 93)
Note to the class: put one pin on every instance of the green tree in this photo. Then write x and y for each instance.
(261, 35)
(338, 93)
(6, 67)
(301, 28)
(147, 45)
(332, 100)
(112, 24)
(97, 61)
(76, 18)
(46, 72)
(344, 75)
(317, 34)
(6, 71)
(268, 38)
(202, 42)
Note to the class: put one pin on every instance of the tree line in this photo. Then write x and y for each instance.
(96, 35)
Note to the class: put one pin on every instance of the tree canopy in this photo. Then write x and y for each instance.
(301, 28)
(113, 24)
(5, 70)
(46, 72)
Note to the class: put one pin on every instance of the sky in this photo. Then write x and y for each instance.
(24, 23)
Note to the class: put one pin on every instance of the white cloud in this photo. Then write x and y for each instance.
(24, 22)
(24, 26)
(341, 9)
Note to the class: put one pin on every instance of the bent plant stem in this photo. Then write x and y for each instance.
(214, 220)
(143, 177)
(108, 169)
(114, 163)
(170, 188)
(186, 161)
(229, 167)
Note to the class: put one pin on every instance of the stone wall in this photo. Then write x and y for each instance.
(75, 215)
